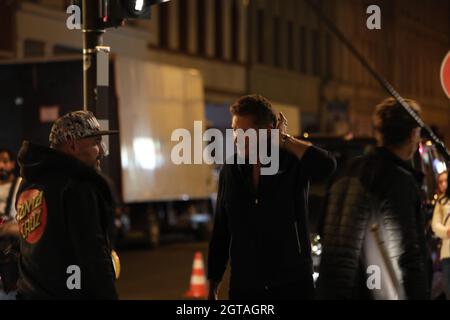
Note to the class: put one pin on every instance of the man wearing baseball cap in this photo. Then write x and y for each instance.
(65, 211)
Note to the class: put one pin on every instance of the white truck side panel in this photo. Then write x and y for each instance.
(154, 100)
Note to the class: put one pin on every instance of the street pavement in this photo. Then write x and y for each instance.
(162, 273)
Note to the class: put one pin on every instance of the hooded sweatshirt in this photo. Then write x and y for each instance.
(64, 211)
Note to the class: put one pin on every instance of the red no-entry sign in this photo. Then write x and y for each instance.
(445, 74)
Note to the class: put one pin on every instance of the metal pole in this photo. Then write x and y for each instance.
(96, 67)
(92, 37)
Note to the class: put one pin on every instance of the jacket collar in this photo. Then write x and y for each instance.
(406, 165)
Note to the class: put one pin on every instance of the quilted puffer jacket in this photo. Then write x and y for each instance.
(384, 186)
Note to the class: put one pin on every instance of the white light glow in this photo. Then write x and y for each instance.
(124, 157)
(138, 5)
(18, 101)
(315, 276)
(144, 150)
(439, 166)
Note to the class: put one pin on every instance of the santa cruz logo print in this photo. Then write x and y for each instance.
(31, 215)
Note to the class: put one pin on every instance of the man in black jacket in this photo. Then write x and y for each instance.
(64, 212)
(374, 245)
(9, 231)
(261, 221)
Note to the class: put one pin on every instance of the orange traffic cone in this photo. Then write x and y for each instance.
(198, 280)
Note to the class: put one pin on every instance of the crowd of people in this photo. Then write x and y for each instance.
(57, 211)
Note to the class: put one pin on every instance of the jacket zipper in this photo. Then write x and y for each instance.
(298, 239)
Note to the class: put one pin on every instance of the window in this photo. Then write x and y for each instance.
(201, 28)
(276, 42)
(260, 35)
(183, 26)
(234, 31)
(60, 50)
(33, 48)
(303, 50)
(164, 23)
(290, 45)
(329, 55)
(218, 52)
(7, 25)
(315, 52)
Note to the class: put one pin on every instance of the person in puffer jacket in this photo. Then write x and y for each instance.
(378, 202)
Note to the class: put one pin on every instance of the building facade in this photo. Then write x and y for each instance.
(276, 48)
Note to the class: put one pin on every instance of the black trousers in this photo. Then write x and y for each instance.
(298, 290)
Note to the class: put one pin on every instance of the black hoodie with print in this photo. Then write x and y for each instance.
(65, 212)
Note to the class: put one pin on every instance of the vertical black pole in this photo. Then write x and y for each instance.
(92, 37)
(95, 75)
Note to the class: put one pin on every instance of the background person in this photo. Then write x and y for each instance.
(441, 227)
(9, 231)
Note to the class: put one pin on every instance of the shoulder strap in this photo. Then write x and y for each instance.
(375, 252)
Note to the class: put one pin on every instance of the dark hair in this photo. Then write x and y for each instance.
(393, 122)
(256, 106)
(9, 152)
